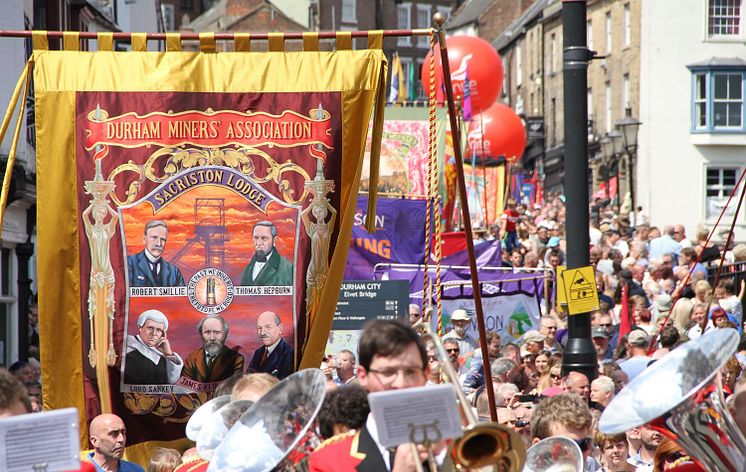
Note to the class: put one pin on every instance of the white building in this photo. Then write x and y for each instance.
(693, 137)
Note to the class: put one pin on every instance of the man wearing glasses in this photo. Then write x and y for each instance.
(548, 328)
(391, 356)
(454, 351)
(566, 415)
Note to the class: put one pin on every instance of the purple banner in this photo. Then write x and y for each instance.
(494, 282)
(399, 236)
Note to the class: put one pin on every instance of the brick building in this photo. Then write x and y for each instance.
(613, 28)
(524, 55)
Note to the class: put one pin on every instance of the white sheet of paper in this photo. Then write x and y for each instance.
(46, 441)
(431, 411)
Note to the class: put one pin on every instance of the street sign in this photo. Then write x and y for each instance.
(580, 290)
(561, 297)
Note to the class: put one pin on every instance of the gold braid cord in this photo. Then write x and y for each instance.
(433, 194)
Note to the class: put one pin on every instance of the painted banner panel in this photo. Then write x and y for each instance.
(190, 207)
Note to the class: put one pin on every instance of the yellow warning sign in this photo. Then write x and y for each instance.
(580, 290)
(561, 298)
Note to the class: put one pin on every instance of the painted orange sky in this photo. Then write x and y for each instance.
(240, 217)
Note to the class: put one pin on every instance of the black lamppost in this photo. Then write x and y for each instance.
(579, 354)
(607, 152)
(628, 127)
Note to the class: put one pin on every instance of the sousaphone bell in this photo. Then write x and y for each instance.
(681, 396)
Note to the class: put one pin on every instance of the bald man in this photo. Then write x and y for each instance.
(275, 357)
(578, 383)
(108, 438)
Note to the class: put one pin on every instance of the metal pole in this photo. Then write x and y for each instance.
(579, 354)
(439, 20)
(630, 170)
(218, 36)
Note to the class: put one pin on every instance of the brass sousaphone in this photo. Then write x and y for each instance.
(273, 427)
(681, 396)
(554, 454)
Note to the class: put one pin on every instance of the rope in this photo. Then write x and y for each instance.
(435, 190)
(427, 300)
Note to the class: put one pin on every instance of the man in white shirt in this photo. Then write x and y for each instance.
(460, 321)
(637, 346)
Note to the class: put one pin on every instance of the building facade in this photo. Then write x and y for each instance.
(613, 32)
(18, 246)
(693, 137)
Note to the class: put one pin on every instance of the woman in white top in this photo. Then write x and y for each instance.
(699, 324)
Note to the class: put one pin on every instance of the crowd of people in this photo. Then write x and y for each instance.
(656, 291)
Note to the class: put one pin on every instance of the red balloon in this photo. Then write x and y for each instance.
(503, 135)
(482, 62)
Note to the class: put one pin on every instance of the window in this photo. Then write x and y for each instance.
(608, 32)
(590, 104)
(404, 21)
(717, 100)
(627, 25)
(700, 101)
(552, 53)
(553, 115)
(721, 181)
(589, 34)
(8, 307)
(518, 66)
(728, 100)
(625, 95)
(609, 125)
(423, 21)
(406, 66)
(167, 11)
(723, 17)
(349, 13)
(504, 60)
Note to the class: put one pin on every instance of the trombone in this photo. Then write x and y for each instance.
(482, 444)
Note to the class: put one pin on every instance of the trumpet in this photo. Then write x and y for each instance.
(482, 444)
(690, 410)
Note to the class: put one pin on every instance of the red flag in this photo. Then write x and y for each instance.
(625, 325)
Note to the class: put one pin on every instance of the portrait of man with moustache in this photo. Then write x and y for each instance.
(147, 268)
(214, 361)
(275, 357)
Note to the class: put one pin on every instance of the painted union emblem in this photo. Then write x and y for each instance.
(210, 291)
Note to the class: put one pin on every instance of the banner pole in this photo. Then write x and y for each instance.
(21, 86)
(218, 36)
(439, 19)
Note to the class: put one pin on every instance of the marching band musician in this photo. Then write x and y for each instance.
(391, 356)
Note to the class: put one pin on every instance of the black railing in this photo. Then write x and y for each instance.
(735, 272)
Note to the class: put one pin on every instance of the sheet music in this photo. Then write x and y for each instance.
(47, 441)
(430, 412)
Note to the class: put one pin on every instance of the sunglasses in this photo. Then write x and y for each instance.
(584, 444)
(555, 376)
(453, 350)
